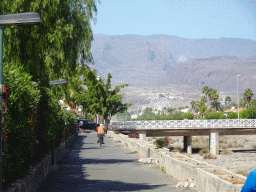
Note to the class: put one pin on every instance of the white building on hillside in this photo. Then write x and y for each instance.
(134, 116)
(185, 110)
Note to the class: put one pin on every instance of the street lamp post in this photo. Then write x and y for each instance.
(237, 96)
(65, 108)
(98, 78)
(57, 82)
(8, 20)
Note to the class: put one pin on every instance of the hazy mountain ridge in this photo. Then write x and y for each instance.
(165, 59)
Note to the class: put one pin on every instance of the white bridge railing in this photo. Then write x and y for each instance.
(167, 124)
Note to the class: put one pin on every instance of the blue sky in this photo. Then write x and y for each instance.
(184, 18)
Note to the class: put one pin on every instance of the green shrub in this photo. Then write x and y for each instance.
(177, 117)
(204, 151)
(251, 113)
(230, 145)
(19, 122)
(189, 115)
(209, 156)
(243, 114)
(176, 149)
(134, 135)
(232, 115)
(226, 152)
(162, 142)
(163, 169)
(216, 115)
(223, 147)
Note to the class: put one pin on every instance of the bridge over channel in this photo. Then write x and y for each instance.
(189, 128)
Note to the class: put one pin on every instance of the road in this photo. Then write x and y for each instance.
(89, 167)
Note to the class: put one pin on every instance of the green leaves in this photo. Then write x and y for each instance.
(101, 99)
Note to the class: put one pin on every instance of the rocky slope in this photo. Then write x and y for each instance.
(168, 61)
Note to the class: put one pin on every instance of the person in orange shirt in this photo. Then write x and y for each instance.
(101, 132)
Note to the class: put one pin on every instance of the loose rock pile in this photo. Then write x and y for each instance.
(188, 183)
(149, 160)
(120, 145)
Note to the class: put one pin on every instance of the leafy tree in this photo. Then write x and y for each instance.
(248, 96)
(189, 115)
(48, 51)
(101, 99)
(216, 115)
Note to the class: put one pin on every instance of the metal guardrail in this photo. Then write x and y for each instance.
(167, 124)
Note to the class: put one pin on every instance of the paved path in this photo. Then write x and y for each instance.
(89, 167)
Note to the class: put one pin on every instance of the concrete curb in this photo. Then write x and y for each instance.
(40, 171)
(203, 176)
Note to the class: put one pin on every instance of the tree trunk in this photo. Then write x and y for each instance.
(107, 120)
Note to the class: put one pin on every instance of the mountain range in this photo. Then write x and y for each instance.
(164, 59)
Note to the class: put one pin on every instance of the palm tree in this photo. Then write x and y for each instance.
(216, 105)
(209, 92)
(201, 106)
(170, 110)
(248, 96)
(228, 99)
(203, 99)
(205, 91)
(193, 106)
(243, 103)
(214, 94)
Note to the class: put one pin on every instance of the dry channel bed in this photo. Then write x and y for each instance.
(242, 161)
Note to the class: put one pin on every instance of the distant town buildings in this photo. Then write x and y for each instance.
(134, 116)
(185, 110)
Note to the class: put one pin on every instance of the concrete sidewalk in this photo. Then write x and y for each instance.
(89, 167)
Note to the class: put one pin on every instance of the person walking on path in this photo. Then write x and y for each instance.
(101, 132)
